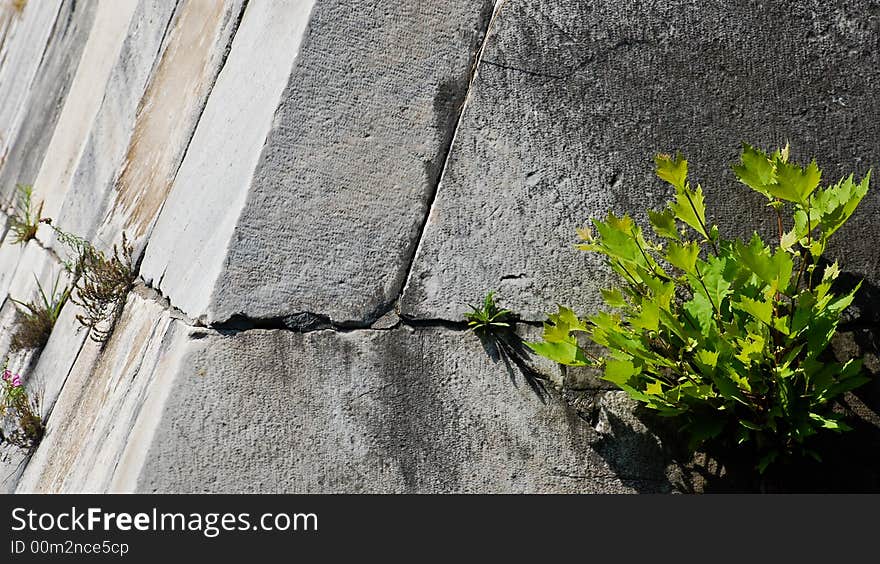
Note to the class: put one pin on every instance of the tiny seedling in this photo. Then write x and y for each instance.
(489, 317)
(494, 326)
(25, 218)
(35, 319)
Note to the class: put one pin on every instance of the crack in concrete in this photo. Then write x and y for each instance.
(435, 189)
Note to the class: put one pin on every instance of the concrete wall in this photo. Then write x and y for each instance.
(316, 189)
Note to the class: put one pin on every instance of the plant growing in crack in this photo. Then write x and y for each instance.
(102, 285)
(21, 425)
(495, 328)
(727, 338)
(26, 217)
(35, 319)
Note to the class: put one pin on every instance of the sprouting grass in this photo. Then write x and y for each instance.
(35, 319)
(494, 327)
(487, 318)
(25, 218)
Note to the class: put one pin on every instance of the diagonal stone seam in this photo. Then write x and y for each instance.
(431, 198)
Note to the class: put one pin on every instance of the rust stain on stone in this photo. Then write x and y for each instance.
(164, 120)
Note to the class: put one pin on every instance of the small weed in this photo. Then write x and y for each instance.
(488, 318)
(26, 218)
(20, 413)
(494, 326)
(35, 319)
(102, 285)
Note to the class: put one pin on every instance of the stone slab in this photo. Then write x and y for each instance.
(187, 247)
(193, 51)
(22, 49)
(400, 410)
(71, 133)
(88, 429)
(45, 98)
(110, 134)
(344, 182)
(573, 99)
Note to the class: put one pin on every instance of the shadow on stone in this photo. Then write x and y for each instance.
(505, 345)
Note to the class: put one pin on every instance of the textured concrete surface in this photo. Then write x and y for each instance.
(350, 165)
(573, 99)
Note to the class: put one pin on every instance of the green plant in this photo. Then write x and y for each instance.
(103, 284)
(35, 319)
(25, 218)
(489, 317)
(726, 337)
(20, 413)
(494, 326)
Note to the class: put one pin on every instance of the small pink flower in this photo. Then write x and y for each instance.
(16, 381)
(7, 375)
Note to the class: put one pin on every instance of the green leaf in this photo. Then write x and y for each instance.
(760, 310)
(613, 297)
(701, 312)
(755, 170)
(837, 203)
(649, 318)
(707, 360)
(619, 371)
(663, 223)
(795, 184)
(683, 257)
(689, 207)
(672, 169)
(774, 269)
(563, 352)
(832, 422)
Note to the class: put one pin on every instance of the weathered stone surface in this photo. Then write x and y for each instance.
(23, 46)
(112, 19)
(111, 131)
(195, 47)
(284, 201)
(417, 410)
(94, 417)
(189, 243)
(46, 95)
(347, 173)
(573, 99)
(628, 445)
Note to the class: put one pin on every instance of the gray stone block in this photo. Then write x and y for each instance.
(189, 244)
(401, 410)
(345, 179)
(573, 99)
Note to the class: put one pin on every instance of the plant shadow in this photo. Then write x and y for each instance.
(505, 345)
